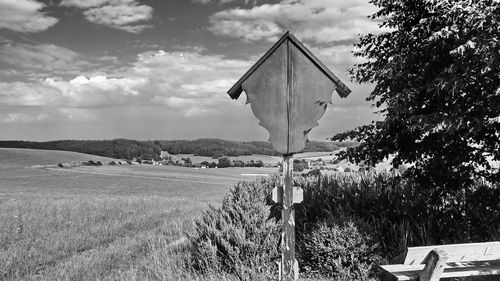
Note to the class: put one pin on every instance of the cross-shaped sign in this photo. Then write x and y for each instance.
(288, 90)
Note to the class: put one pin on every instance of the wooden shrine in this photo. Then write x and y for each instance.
(288, 90)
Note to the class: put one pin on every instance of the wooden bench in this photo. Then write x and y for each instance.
(431, 263)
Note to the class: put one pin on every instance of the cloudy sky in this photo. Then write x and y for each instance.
(160, 69)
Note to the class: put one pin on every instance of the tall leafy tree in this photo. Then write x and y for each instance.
(437, 87)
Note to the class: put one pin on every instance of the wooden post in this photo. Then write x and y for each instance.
(288, 271)
(434, 265)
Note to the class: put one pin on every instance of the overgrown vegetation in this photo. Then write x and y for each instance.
(399, 212)
(240, 237)
(344, 224)
(333, 249)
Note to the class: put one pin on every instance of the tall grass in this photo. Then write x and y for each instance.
(81, 239)
(99, 238)
(399, 212)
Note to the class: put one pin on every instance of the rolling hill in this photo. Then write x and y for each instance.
(129, 149)
(19, 158)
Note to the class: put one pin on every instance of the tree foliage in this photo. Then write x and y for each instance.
(129, 149)
(240, 237)
(436, 76)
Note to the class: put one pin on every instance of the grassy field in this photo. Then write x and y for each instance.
(124, 222)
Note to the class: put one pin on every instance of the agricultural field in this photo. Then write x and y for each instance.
(120, 222)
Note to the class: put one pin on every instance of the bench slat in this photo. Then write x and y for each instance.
(453, 270)
(456, 252)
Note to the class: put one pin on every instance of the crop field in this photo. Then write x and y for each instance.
(120, 222)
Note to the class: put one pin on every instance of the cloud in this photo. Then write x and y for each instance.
(320, 21)
(96, 91)
(26, 60)
(127, 15)
(21, 117)
(221, 1)
(190, 83)
(46, 57)
(182, 93)
(212, 1)
(83, 4)
(339, 56)
(28, 94)
(24, 16)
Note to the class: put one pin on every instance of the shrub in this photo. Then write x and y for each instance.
(400, 212)
(239, 237)
(224, 162)
(299, 166)
(313, 173)
(337, 250)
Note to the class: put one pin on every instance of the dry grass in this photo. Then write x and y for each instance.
(92, 238)
(84, 238)
(100, 223)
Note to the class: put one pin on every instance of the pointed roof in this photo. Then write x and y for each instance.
(341, 89)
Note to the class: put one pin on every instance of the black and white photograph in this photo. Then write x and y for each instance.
(241, 140)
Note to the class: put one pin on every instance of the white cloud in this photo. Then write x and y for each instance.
(24, 16)
(47, 57)
(320, 21)
(127, 15)
(22, 117)
(222, 1)
(340, 56)
(30, 61)
(28, 94)
(96, 91)
(189, 83)
(83, 4)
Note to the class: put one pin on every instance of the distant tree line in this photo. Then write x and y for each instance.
(118, 148)
(133, 149)
(217, 148)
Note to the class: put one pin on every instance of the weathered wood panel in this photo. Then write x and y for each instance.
(452, 270)
(456, 252)
(288, 218)
(311, 91)
(434, 265)
(288, 93)
(266, 91)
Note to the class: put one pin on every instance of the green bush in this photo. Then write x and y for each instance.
(240, 237)
(313, 173)
(401, 213)
(337, 250)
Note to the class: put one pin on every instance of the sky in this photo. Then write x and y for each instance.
(160, 69)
